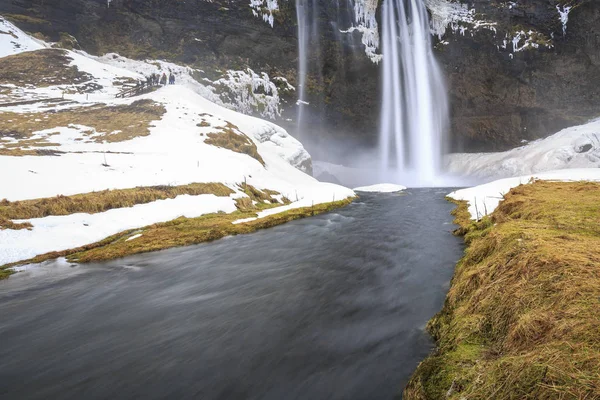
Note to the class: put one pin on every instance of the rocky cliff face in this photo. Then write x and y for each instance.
(513, 73)
(524, 77)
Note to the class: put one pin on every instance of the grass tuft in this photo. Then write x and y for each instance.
(230, 137)
(258, 199)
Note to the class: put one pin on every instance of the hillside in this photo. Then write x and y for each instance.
(63, 132)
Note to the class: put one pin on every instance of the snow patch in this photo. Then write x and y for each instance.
(137, 236)
(58, 233)
(15, 41)
(484, 199)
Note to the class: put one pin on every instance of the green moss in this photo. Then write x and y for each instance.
(5, 273)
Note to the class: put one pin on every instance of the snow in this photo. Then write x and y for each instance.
(366, 23)
(575, 147)
(174, 153)
(457, 16)
(250, 90)
(484, 199)
(58, 233)
(264, 9)
(136, 236)
(381, 188)
(14, 41)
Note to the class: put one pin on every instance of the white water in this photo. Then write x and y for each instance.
(303, 36)
(414, 105)
(307, 13)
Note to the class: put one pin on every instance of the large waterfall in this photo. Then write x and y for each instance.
(303, 37)
(414, 104)
(307, 12)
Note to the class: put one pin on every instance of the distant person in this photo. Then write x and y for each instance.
(149, 80)
(155, 78)
(163, 79)
(171, 79)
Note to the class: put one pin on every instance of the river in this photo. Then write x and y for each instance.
(329, 307)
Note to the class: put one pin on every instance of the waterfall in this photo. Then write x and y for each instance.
(307, 14)
(303, 28)
(414, 104)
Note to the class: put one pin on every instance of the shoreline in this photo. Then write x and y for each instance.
(520, 317)
(176, 233)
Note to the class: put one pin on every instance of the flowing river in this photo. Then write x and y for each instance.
(329, 307)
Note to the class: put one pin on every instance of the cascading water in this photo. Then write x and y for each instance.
(414, 104)
(303, 34)
(307, 12)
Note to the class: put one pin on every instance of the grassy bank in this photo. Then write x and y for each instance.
(97, 202)
(179, 232)
(522, 317)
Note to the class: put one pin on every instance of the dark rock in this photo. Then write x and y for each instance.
(585, 148)
(496, 101)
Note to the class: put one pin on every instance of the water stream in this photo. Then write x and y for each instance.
(330, 307)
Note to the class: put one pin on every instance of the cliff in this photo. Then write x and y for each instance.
(516, 70)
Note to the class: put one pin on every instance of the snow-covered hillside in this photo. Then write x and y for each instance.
(575, 147)
(572, 154)
(44, 153)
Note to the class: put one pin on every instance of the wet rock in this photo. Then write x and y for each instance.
(583, 145)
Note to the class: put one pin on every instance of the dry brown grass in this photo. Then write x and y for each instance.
(179, 232)
(42, 68)
(230, 137)
(522, 319)
(6, 223)
(96, 202)
(258, 199)
(111, 124)
(18, 152)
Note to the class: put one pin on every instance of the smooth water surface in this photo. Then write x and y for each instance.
(329, 307)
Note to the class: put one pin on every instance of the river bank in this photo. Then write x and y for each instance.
(181, 232)
(328, 307)
(521, 316)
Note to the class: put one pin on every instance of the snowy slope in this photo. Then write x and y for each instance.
(484, 199)
(174, 153)
(13, 40)
(575, 147)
